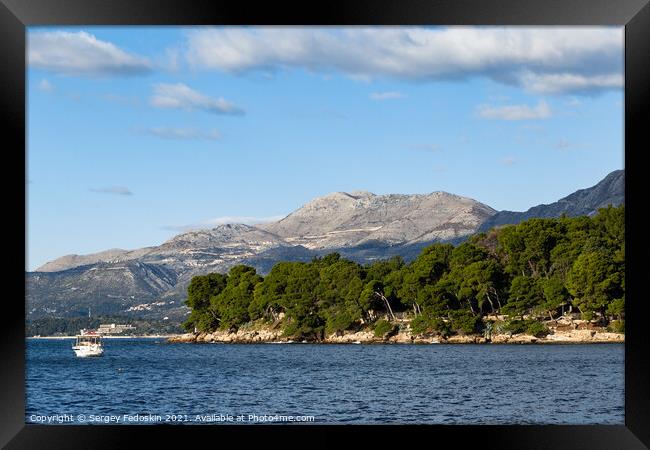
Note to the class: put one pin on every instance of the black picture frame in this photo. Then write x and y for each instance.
(15, 15)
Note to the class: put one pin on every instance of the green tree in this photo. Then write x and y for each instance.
(419, 276)
(525, 294)
(576, 235)
(481, 286)
(383, 280)
(465, 322)
(594, 282)
(555, 295)
(268, 298)
(526, 248)
(382, 269)
(199, 292)
(300, 302)
(231, 305)
(430, 322)
(617, 308)
(339, 289)
(373, 297)
(610, 223)
(384, 328)
(466, 254)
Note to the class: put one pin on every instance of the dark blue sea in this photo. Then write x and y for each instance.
(144, 381)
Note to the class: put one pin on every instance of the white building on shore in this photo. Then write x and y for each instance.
(112, 328)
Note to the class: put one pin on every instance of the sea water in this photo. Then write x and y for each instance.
(144, 381)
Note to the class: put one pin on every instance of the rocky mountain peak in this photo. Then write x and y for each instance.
(68, 261)
(361, 194)
(341, 219)
(218, 233)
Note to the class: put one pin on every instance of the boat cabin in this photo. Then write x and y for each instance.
(88, 340)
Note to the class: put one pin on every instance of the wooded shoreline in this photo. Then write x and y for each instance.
(543, 280)
(578, 337)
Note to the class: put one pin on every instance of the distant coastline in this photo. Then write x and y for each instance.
(159, 336)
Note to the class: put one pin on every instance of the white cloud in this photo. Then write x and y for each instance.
(181, 96)
(508, 161)
(45, 86)
(555, 83)
(540, 59)
(81, 53)
(115, 190)
(391, 95)
(211, 223)
(515, 112)
(182, 133)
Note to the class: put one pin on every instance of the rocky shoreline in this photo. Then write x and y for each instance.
(244, 336)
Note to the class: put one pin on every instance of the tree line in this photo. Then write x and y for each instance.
(536, 270)
(70, 326)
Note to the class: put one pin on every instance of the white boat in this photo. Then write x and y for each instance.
(88, 344)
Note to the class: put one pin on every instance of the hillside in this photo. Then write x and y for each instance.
(584, 202)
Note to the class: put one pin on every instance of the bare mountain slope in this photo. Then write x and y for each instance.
(584, 202)
(347, 220)
(152, 281)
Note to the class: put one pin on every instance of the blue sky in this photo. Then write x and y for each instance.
(138, 133)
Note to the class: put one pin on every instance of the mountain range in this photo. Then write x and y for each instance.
(584, 202)
(151, 282)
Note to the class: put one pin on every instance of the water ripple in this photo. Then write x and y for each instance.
(445, 384)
